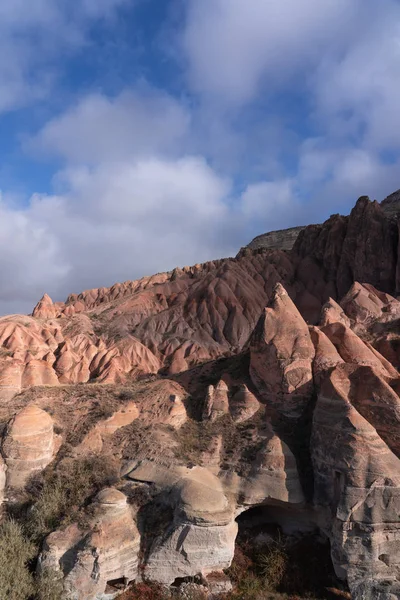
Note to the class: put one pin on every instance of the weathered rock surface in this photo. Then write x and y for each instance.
(243, 405)
(106, 551)
(216, 403)
(283, 239)
(357, 478)
(273, 476)
(28, 446)
(361, 247)
(281, 356)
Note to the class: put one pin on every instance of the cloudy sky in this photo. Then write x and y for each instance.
(137, 135)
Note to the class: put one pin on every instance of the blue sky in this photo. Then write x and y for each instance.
(137, 135)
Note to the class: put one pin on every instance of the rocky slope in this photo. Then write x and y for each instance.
(268, 382)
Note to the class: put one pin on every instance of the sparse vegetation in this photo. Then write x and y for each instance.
(240, 443)
(139, 495)
(126, 395)
(49, 585)
(293, 569)
(16, 551)
(145, 591)
(58, 494)
(4, 352)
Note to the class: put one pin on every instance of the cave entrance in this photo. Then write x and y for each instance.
(197, 579)
(282, 546)
(116, 585)
(278, 518)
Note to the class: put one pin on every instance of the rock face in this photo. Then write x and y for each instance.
(216, 403)
(391, 204)
(202, 535)
(283, 239)
(107, 551)
(357, 478)
(361, 247)
(267, 382)
(274, 475)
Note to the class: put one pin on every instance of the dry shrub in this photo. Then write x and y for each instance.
(241, 564)
(49, 585)
(57, 495)
(195, 437)
(273, 566)
(16, 582)
(145, 591)
(294, 570)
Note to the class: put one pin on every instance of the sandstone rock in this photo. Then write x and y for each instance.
(216, 403)
(333, 313)
(353, 350)
(282, 239)
(361, 247)
(349, 480)
(10, 378)
(38, 372)
(201, 539)
(281, 356)
(243, 405)
(391, 204)
(362, 303)
(107, 551)
(326, 355)
(28, 446)
(273, 475)
(45, 309)
(121, 418)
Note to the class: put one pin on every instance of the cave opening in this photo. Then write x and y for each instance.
(116, 585)
(282, 547)
(197, 579)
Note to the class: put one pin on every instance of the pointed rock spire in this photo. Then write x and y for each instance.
(281, 354)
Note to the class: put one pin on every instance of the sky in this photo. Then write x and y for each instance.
(139, 135)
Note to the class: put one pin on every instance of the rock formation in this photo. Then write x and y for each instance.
(267, 382)
(281, 353)
(29, 445)
(104, 552)
(283, 239)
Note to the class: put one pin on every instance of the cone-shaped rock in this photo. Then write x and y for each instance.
(281, 354)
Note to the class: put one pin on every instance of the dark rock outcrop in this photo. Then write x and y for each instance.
(282, 239)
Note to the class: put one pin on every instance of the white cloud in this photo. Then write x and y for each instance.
(115, 223)
(356, 93)
(29, 258)
(136, 122)
(231, 45)
(33, 35)
(269, 204)
(143, 186)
